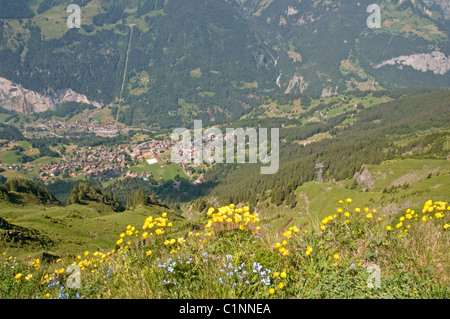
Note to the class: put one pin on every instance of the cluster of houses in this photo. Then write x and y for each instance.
(106, 163)
(14, 167)
(150, 151)
(142, 175)
(101, 162)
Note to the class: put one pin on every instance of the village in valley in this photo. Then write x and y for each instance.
(144, 156)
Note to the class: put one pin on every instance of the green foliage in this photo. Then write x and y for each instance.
(139, 197)
(83, 193)
(15, 9)
(66, 110)
(19, 186)
(44, 149)
(10, 133)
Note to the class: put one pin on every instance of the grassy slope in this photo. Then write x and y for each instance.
(316, 201)
(75, 227)
(94, 227)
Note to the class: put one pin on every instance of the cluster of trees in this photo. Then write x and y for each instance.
(65, 110)
(123, 188)
(10, 133)
(43, 147)
(429, 146)
(3, 193)
(48, 4)
(18, 9)
(160, 192)
(139, 197)
(60, 189)
(22, 185)
(83, 193)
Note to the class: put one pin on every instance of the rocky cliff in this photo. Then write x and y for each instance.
(15, 97)
(436, 62)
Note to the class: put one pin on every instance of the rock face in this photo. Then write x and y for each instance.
(15, 97)
(364, 178)
(297, 83)
(327, 92)
(436, 62)
(68, 95)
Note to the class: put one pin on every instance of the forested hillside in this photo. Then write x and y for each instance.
(161, 62)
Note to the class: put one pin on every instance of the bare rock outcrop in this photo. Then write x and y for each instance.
(15, 97)
(364, 178)
(328, 92)
(296, 84)
(436, 62)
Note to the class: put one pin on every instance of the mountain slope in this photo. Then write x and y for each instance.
(162, 63)
(325, 47)
(201, 52)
